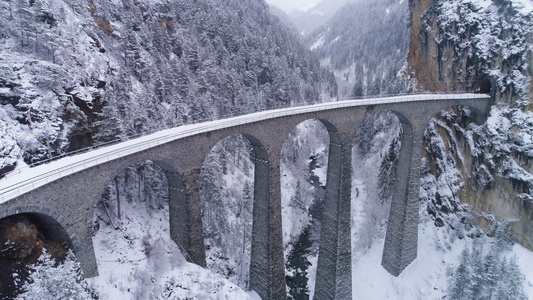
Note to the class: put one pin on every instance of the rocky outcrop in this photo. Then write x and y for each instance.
(471, 46)
(477, 46)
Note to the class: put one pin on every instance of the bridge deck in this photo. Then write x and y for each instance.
(25, 179)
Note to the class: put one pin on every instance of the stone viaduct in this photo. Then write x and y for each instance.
(65, 205)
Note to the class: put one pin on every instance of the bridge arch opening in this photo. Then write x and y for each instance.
(234, 193)
(308, 191)
(398, 225)
(135, 246)
(382, 140)
(24, 237)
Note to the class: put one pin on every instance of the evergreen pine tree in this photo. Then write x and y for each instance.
(296, 200)
(51, 281)
(491, 273)
(512, 288)
(461, 285)
(387, 172)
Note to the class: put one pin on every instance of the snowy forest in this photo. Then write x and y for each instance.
(365, 45)
(77, 74)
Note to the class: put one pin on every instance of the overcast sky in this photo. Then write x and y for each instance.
(288, 5)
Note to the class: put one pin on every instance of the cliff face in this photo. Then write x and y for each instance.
(472, 46)
(478, 46)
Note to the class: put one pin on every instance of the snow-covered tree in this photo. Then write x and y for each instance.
(487, 276)
(462, 284)
(226, 197)
(50, 280)
(387, 171)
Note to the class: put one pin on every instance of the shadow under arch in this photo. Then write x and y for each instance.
(260, 256)
(52, 225)
(29, 231)
(328, 214)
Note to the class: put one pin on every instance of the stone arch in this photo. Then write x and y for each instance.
(259, 231)
(372, 150)
(326, 214)
(26, 232)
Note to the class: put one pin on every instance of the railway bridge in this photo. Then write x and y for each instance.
(63, 194)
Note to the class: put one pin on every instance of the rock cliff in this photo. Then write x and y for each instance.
(481, 174)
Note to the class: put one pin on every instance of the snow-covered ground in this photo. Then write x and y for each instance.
(428, 276)
(440, 249)
(140, 261)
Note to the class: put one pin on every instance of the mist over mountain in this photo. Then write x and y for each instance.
(365, 44)
(309, 18)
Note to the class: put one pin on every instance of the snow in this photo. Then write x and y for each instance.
(525, 6)
(439, 248)
(140, 261)
(303, 176)
(368, 210)
(319, 42)
(427, 277)
(525, 262)
(335, 40)
(226, 197)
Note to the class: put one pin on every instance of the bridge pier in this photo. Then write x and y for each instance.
(333, 265)
(344, 233)
(184, 214)
(401, 240)
(264, 269)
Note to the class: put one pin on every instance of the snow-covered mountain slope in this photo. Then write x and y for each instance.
(75, 74)
(308, 18)
(365, 45)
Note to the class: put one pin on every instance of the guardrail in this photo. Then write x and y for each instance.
(26, 179)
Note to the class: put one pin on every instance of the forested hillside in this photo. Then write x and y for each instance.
(76, 74)
(365, 44)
